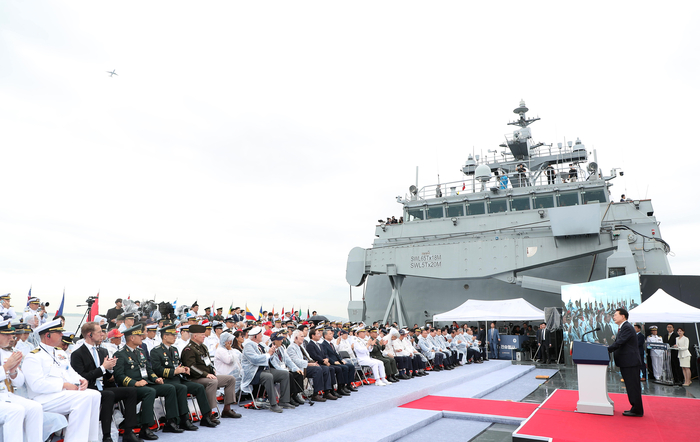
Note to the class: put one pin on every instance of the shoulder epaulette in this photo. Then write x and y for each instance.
(36, 350)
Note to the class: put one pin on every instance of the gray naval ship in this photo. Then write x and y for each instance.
(520, 224)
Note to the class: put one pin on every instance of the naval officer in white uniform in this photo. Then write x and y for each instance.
(53, 383)
(22, 417)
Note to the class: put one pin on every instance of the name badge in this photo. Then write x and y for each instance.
(144, 373)
(207, 362)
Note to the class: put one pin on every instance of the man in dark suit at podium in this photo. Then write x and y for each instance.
(627, 358)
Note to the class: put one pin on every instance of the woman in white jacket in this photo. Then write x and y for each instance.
(684, 354)
(227, 360)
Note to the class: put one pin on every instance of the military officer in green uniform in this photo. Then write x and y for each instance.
(165, 360)
(195, 355)
(132, 370)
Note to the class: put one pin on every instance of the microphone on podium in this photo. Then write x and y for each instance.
(590, 331)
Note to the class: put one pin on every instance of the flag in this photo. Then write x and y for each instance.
(248, 315)
(128, 297)
(175, 305)
(213, 309)
(230, 309)
(464, 186)
(282, 314)
(95, 310)
(59, 312)
(307, 314)
(29, 296)
(260, 314)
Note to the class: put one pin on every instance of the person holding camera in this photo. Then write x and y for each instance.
(36, 313)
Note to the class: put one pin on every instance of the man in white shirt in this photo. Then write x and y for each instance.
(152, 340)
(36, 314)
(23, 344)
(23, 418)
(53, 383)
(184, 338)
(6, 310)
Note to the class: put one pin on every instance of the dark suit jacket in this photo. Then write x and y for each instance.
(83, 363)
(317, 354)
(112, 314)
(670, 341)
(547, 338)
(625, 347)
(641, 343)
(333, 355)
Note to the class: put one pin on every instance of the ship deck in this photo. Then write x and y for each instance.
(386, 414)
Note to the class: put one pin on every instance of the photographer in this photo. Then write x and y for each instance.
(36, 314)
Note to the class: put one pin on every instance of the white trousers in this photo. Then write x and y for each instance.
(22, 418)
(376, 365)
(83, 410)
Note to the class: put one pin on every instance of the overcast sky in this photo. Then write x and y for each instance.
(245, 147)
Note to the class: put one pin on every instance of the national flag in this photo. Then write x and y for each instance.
(260, 314)
(127, 298)
(175, 305)
(464, 186)
(307, 314)
(29, 296)
(281, 315)
(59, 312)
(248, 315)
(213, 308)
(95, 310)
(230, 309)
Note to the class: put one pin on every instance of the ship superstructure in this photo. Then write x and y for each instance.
(521, 223)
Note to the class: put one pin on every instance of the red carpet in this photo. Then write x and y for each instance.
(476, 406)
(665, 419)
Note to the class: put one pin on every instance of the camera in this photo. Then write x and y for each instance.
(91, 300)
(622, 173)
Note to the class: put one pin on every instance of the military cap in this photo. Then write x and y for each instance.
(120, 317)
(207, 308)
(276, 337)
(52, 326)
(343, 332)
(168, 329)
(219, 308)
(22, 328)
(653, 327)
(136, 330)
(34, 300)
(196, 328)
(128, 315)
(248, 329)
(103, 327)
(184, 327)
(229, 319)
(153, 327)
(6, 328)
(67, 337)
(373, 329)
(217, 325)
(5, 297)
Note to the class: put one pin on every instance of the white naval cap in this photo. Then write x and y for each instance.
(255, 331)
(53, 326)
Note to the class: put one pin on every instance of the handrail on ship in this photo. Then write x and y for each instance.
(534, 177)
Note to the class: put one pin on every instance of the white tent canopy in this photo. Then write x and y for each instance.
(662, 307)
(504, 310)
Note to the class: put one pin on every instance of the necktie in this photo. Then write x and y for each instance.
(98, 381)
(262, 349)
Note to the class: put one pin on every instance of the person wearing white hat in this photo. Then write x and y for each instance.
(256, 367)
(53, 383)
(6, 310)
(657, 356)
(35, 315)
(23, 418)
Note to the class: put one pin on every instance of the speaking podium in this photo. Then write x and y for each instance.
(592, 362)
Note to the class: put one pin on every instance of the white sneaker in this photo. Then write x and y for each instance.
(380, 383)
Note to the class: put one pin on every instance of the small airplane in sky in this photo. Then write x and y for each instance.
(113, 73)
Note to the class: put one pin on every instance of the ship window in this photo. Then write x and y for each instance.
(616, 271)
(415, 214)
(475, 209)
(499, 205)
(455, 210)
(596, 195)
(434, 212)
(521, 203)
(568, 199)
(543, 202)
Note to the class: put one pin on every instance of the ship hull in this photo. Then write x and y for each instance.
(422, 298)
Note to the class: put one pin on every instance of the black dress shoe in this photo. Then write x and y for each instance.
(403, 376)
(186, 423)
(329, 396)
(351, 388)
(147, 434)
(631, 413)
(207, 422)
(342, 393)
(230, 413)
(170, 427)
(299, 398)
(346, 391)
(107, 439)
(129, 436)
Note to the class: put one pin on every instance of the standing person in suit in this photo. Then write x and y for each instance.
(627, 358)
(544, 339)
(670, 338)
(494, 341)
(92, 362)
(641, 344)
(114, 312)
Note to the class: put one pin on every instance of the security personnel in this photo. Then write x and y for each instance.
(132, 370)
(165, 360)
(196, 356)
